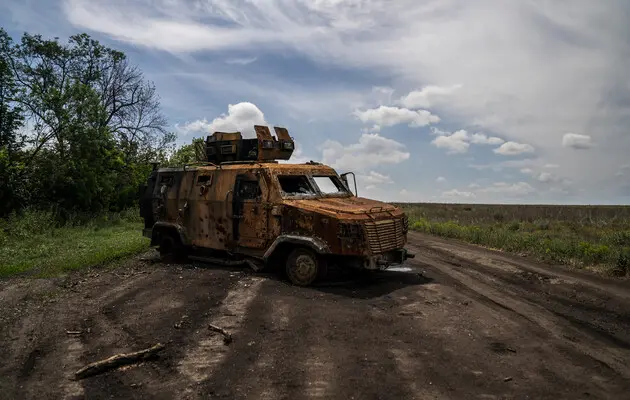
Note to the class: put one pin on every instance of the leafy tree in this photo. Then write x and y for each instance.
(188, 153)
(93, 123)
(11, 120)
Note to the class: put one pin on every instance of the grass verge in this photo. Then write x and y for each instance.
(599, 244)
(33, 243)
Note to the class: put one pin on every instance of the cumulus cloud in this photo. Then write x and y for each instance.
(455, 143)
(240, 117)
(458, 142)
(427, 96)
(376, 178)
(371, 149)
(390, 116)
(454, 193)
(577, 141)
(480, 138)
(513, 149)
(528, 96)
(440, 179)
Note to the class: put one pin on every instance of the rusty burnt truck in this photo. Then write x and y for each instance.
(241, 206)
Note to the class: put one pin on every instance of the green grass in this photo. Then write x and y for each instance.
(35, 243)
(596, 238)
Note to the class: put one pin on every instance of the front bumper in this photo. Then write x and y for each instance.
(387, 259)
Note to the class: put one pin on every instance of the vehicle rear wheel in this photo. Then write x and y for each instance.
(304, 266)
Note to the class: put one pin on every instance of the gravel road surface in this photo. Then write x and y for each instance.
(457, 322)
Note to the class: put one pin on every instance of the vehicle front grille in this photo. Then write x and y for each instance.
(385, 235)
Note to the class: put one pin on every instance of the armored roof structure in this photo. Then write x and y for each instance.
(230, 147)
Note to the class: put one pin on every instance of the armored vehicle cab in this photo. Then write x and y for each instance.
(241, 206)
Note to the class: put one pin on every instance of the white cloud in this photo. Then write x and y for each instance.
(459, 142)
(577, 141)
(546, 177)
(427, 96)
(438, 132)
(241, 61)
(371, 149)
(454, 193)
(389, 116)
(440, 179)
(510, 189)
(480, 138)
(516, 83)
(551, 166)
(455, 143)
(240, 117)
(373, 129)
(298, 156)
(527, 171)
(513, 148)
(376, 178)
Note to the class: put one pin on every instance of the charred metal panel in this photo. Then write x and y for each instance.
(282, 134)
(240, 207)
(263, 132)
(270, 148)
(250, 209)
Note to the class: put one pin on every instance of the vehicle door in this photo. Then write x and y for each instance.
(249, 214)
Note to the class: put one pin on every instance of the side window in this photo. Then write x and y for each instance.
(248, 190)
(166, 180)
(204, 180)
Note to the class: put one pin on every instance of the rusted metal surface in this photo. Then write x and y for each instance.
(243, 208)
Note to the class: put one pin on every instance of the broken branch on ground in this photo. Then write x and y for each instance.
(117, 361)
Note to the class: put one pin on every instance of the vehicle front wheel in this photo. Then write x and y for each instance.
(170, 249)
(304, 266)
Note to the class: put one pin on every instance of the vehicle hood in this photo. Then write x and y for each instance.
(350, 206)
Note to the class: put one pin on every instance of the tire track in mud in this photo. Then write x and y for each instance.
(202, 360)
(485, 284)
(74, 355)
(266, 387)
(70, 388)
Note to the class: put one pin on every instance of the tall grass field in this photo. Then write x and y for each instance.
(35, 243)
(591, 237)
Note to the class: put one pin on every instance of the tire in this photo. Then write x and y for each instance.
(303, 267)
(170, 249)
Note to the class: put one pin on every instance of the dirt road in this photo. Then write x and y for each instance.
(461, 323)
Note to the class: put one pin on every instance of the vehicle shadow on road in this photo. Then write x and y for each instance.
(360, 285)
(371, 285)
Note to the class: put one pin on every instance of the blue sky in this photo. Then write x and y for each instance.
(450, 101)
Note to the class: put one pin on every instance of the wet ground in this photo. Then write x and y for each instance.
(456, 322)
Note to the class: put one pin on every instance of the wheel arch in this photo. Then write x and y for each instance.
(283, 242)
(160, 228)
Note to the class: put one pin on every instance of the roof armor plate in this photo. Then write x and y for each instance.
(222, 147)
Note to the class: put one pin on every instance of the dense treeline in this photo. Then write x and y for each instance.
(79, 126)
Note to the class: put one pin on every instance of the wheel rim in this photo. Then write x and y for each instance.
(304, 269)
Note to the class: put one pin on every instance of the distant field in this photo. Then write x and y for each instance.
(593, 237)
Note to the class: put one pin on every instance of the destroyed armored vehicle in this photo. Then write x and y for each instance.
(240, 205)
